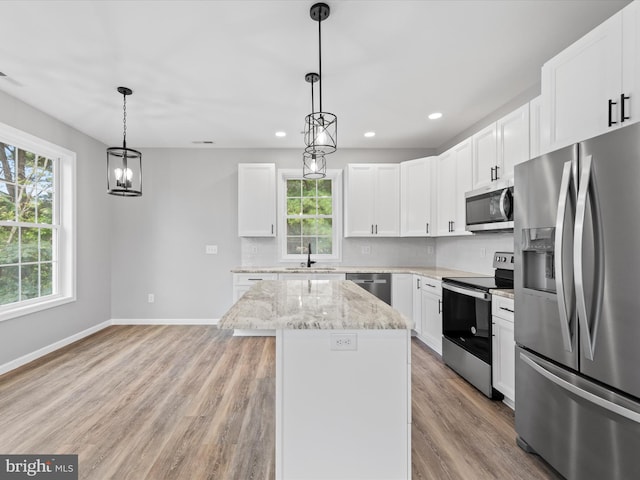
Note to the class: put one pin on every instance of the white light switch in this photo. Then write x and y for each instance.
(366, 250)
(211, 249)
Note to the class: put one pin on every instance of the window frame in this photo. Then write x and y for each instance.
(335, 176)
(64, 222)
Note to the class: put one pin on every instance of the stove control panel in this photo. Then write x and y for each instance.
(503, 260)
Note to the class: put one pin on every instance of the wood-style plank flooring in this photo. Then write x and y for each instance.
(193, 402)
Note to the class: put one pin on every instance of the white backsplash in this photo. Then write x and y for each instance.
(472, 253)
(382, 252)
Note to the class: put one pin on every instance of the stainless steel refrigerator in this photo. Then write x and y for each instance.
(577, 303)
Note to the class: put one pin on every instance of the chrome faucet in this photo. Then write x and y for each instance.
(309, 262)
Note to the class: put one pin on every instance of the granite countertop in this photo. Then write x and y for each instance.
(311, 304)
(503, 292)
(437, 273)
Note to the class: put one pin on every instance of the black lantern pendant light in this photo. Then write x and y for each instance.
(314, 165)
(321, 128)
(124, 165)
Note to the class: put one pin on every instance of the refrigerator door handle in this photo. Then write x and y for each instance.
(579, 392)
(563, 204)
(588, 192)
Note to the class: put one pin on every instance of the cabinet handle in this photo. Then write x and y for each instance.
(492, 179)
(255, 279)
(376, 228)
(427, 227)
(417, 284)
(372, 229)
(496, 170)
(272, 229)
(507, 309)
(623, 99)
(439, 306)
(611, 104)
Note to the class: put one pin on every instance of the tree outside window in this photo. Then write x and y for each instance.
(309, 216)
(27, 228)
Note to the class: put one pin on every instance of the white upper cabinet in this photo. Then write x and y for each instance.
(372, 200)
(485, 156)
(513, 141)
(499, 147)
(592, 86)
(536, 127)
(257, 200)
(417, 198)
(453, 181)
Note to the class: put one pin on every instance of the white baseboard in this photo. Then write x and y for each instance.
(164, 321)
(30, 357)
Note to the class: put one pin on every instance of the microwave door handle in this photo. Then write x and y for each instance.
(503, 211)
(563, 204)
(588, 192)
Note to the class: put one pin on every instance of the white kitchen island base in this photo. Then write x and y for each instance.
(343, 414)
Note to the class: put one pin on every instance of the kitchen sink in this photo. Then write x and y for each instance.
(312, 269)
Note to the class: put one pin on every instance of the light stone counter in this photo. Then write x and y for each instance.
(311, 304)
(437, 273)
(503, 292)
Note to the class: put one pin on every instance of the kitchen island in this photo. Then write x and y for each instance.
(343, 378)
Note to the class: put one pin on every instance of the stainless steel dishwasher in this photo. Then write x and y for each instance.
(379, 284)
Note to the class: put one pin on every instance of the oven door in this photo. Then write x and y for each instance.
(466, 319)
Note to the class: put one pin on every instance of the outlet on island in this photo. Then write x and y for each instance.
(344, 341)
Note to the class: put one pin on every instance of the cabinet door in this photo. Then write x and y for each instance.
(432, 321)
(415, 198)
(485, 156)
(463, 152)
(504, 358)
(387, 201)
(402, 293)
(535, 128)
(446, 188)
(359, 200)
(578, 83)
(257, 200)
(631, 61)
(513, 140)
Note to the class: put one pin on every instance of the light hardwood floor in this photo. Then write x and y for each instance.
(193, 402)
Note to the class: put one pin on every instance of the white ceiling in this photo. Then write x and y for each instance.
(233, 71)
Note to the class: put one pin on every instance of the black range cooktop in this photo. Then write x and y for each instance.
(480, 283)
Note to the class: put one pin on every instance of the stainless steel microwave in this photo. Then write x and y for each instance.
(490, 209)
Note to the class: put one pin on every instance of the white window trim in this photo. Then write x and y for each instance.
(336, 196)
(65, 186)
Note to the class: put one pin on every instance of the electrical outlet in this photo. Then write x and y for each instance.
(254, 249)
(344, 341)
(211, 249)
(366, 250)
(430, 250)
(483, 252)
(151, 298)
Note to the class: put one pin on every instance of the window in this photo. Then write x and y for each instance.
(36, 224)
(310, 215)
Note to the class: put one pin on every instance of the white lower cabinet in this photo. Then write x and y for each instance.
(503, 347)
(311, 276)
(242, 282)
(431, 313)
(427, 311)
(402, 293)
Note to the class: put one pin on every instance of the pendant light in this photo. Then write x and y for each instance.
(314, 165)
(321, 128)
(124, 165)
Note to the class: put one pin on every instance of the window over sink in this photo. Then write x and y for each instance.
(310, 214)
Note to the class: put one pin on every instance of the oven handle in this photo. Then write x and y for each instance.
(470, 293)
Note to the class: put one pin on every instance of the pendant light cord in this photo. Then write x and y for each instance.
(124, 122)
(320, 59)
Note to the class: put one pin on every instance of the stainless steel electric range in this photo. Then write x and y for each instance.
(466, 323)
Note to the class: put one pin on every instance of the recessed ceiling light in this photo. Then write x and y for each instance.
(281, 134)
(435, 116)
(203, 142)
(370, 134)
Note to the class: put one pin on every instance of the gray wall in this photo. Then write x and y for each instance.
(189, 201)
(22, 335)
